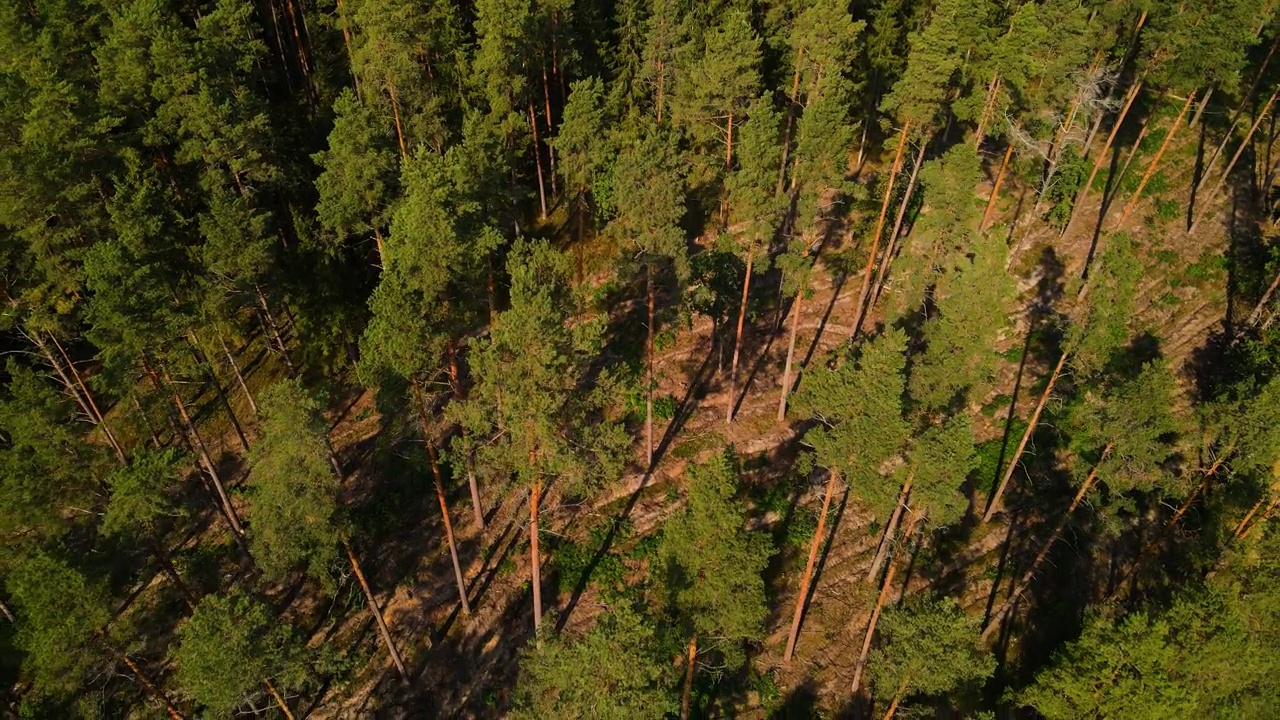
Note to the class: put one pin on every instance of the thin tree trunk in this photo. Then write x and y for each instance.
(83, 397)
(1208, 200)
(875, 238)
(395, 115)
(151, 431)
(791, 114)
(235, 368)
(912, 518)
(1258, 309)
(686, 698)
(1058, 143)
(8, 614)
(1261, 518)
(346, 37)
(280, 703)
(1240, 529)
(1097, 164)
(207, 369)
(995, 189)
(536, 561)
(194, 435)
(1124, 169)
(737, 340)
(273, 330)
(648, 379)
(891, 529)
(897, 226)
(807, 577)
(151, 687)
(303, 61)
(897, 698)
(537, 159)
(1235, 117)
(88, 396)
(448, 525)
(551, 149)
(376, 611)
(791, 354)
(1204, 103)
(377, 242)
(1025, 581)
(1155, 161)
(994, 504)
(166, 565)
(993, 87)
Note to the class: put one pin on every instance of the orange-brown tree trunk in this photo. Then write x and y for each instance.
(280, 703)
(805, 579)
(995, 189)
(791, 115)
(537, 159)
(894, 236)
(1208, 200)
(235, 369)
(890, 529)
(395, 116)
(1097, 163)
(536, 561)
(897, 698)
(791, 354)
(1235, 116)
(875, 238)
(994, 503)
(172, 709)
(202, 452)
(912, 518)
(376, 611)
(686, 698)
(648, 372)
(1025, 580)
(737, 340)
(1155, 161)
(993, 87)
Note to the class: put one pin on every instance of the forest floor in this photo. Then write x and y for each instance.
(465, 665)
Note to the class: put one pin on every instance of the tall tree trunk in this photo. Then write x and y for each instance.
(791, 354)
(460, 392)
(280, 703)
(439, 485)
(1025, 580)
(206, 366)
(894, 237)
(346, 38)
(1124, 169)
(395, 116)
(273, 330)
(897, 698)
(1235, 116)
(1258, 309)
(1102, 156)
(1242, 528)
(737, 339)
(166, 565)
(377, 243)
(1155, 161)
(1208, 200)
(375, 610)
(994, 504)
(875, 238)
(648, 373)
(155, 692)
(890, 529)
(1059, 141)
(979, 135)
(198, 443)
(82, 396)
(912, 518)
(235, 368)
(535, 559)
(791, 115)
(551, 149)
(1204, 103)
(728, 142)
(537, 159)
(686, 697)
(814, 546)
(303, 56)
(995, 189)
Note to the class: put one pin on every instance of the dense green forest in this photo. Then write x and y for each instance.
(640, 359)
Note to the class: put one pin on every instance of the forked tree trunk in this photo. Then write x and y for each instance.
(807, 577)
(235, 368)
(1025, 580)
(1208, 200)
(791, 354)
(1106, 147)
(202, 452)
(537, 159)
(791, 114)
(890, 529)
(994, 503)
(376, 611)
(686, 697)
(536, 561)
(912, 518)
(737, 340)
(155, 692)
(897, 227)
(875, 238)
(648, 372)
(1155, 161)
(995, 189)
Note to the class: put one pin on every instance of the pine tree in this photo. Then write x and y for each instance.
(927, 646)
(718, 78)
(711, 568)
(564, 676)
(231, 648)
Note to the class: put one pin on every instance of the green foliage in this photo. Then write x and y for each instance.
(229, 648)
(711, 565)
(61, 613)
(940, 459)
(359, 170)
(140, 491)
(293, 494)
(1103, 324)
(928, 646)
(614, 671)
